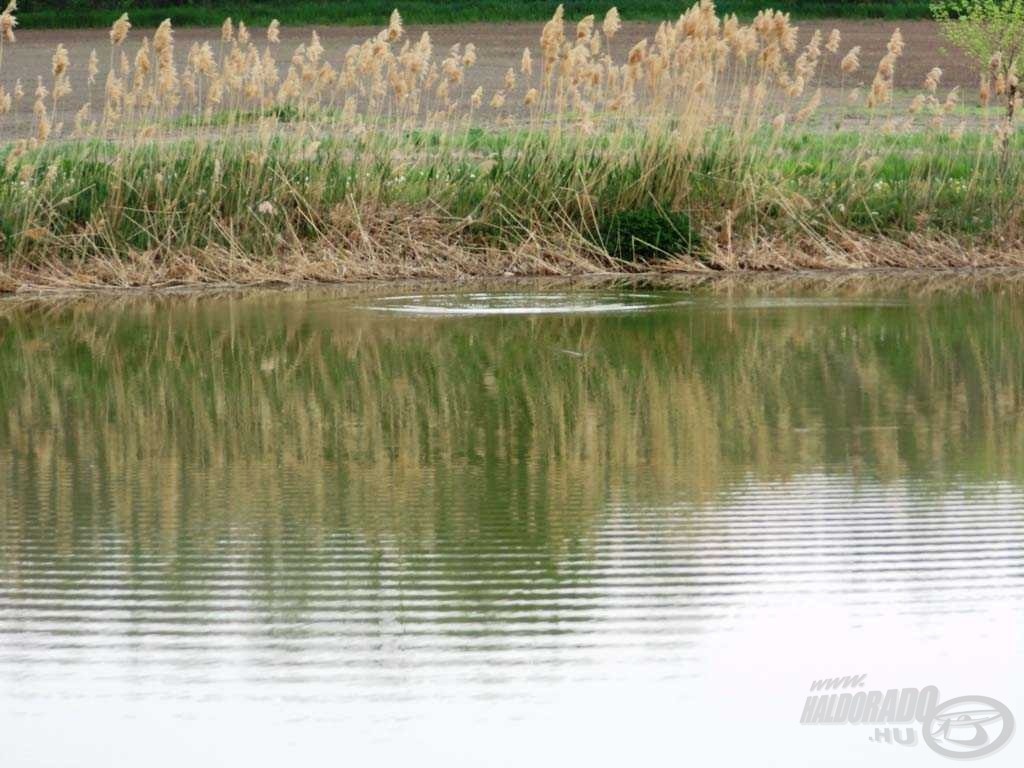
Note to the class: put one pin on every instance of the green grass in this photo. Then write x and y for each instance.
(100, 13)
(496, 189)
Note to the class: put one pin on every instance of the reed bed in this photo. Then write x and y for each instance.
(711, 145)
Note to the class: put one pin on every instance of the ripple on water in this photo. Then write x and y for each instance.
(479, 304)
(804, 302)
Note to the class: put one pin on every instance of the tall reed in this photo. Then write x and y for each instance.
(237, 159)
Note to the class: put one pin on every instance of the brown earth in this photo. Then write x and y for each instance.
(499, 46)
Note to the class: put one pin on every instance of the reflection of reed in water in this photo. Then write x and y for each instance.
(271, 417)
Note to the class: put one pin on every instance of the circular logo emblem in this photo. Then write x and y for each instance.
(968, 727)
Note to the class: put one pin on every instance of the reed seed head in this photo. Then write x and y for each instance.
(8, 22)
(895, 45)
(163, 42)
(526, 65)
(395, 29)
(985, 91)
(93, 66)
(612, 23)
(119, 31)
(60, 61)
(585, 28)
(851, 62)
(638, 53)
(314, 51)
(835, 39)
(81, 119)
(952, 99)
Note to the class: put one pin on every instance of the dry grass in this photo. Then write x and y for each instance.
(504, 44)
(412, 259)
(241, 162)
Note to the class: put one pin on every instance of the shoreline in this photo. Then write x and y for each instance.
(882, 278)
(782, 258)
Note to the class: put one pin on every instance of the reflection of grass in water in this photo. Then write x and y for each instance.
(196, 420)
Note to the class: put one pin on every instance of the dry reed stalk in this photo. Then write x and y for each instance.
(396, 123)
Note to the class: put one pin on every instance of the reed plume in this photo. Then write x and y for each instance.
(705, 114)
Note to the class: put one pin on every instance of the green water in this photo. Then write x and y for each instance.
(487, 527)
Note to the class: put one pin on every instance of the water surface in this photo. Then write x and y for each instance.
(599, 525)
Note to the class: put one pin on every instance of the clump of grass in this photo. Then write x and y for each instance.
(390, 153)
(647, 234)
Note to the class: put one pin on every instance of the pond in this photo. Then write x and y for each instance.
(611, 523)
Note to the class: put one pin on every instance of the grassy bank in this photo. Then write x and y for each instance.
(502, 201)
(711, 147)
(99, 13)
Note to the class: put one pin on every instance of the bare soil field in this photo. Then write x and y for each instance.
(499, 47)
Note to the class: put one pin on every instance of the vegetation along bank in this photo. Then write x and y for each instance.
(710, 143)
